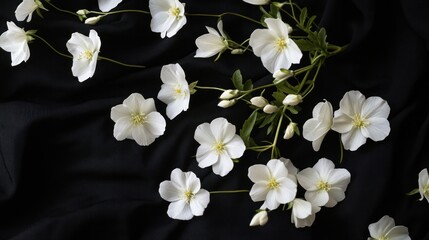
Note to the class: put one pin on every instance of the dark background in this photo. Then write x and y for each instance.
(64, 176)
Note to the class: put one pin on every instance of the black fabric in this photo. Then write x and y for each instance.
(64, 176)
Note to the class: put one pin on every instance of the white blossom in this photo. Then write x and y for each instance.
(93, 20)
(219, 144)
(324, 184)
(257, 2)
(272, 184)
(136, 118)
(227, 103)
(259, 219)
(15, 40)
(107, 5)
(274, 46)
(424, 184)
(174, 90)
(270, 109)
(359, 118)
(26, 8)
(316, 128)
(184, 192)
(303, 213)
(211, 43)
(85, 52)
(168, 16)
(385, 229)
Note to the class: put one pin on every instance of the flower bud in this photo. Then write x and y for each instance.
(82, 12)
(292, 99)
(281, 75)
(237, 51)
(259, 101)
(270, 109)
(290, 130)
(228, 94)
(259, 219)
(226, 103)
(92, 20)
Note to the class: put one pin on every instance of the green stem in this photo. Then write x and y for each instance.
(61, 10)
(221, 15)
(50, 46)
(210, 88)
(120, 63)
(229, 191)
(276, 136)
(120, 11)
(341, 150)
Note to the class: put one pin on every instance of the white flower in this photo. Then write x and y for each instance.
(292, 99)
(211, 43)
(174, 90)
(272, 184)
(325, 184)
(85, 54)
(257, 2)
(26, 8)
(219, 145)
(259, 219)
(316, 128)
(168, 16)
(274, 46)
(385, 229)
(259, 101)
(184, 192)
(15, 40)
(290, 130)
(303, 213)
(107, 5)
(424, 184)
(137, 119)
(359, 118)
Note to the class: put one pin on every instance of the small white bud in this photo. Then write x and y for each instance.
(226, 103)
(281, 75)
(259, 219)
(270, 109)
(92, 20)
(290, 130)
(292, 99)
(259, 101)
(237, 51)
(82, 12)
(228, 94)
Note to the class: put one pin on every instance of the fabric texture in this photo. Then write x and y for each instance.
(64, 176)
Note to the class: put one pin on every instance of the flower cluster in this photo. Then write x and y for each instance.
(286, 35)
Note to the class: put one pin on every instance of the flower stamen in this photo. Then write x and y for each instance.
(273, 184)
(359, 121)
(138, 118)
(322, 185)
(219, 147)
(175, 11)
(86, 55)
(281, 43)
(188, 196)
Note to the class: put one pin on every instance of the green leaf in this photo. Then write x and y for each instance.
(247, 128)
(248, 85)
(305, 45)
(267, 120)
(279, 97)
(237, 80)
(303, 16)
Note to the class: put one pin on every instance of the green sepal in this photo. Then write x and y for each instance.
(412, 192)
(192, 86)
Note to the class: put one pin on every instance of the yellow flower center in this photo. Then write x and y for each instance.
(188, 195)
(322, 185)
(86, 55)
(179, 91)
(175, 11)
(138, 118)
(426, 190)
(281, 43)
(359, 121)
(383, 238)
(219, 147)
(273, 184)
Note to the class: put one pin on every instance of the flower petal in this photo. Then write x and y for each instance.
(259, 191)
(180, 210)
(169, 191)
(380, 228)
(318, 198)
(259, 173)
(107, 5)
(223, 166)
(199, 202)
(235, 148)
(308, 179)
(353, 140)
(122, 128)
(203, 134)
(377, 130)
